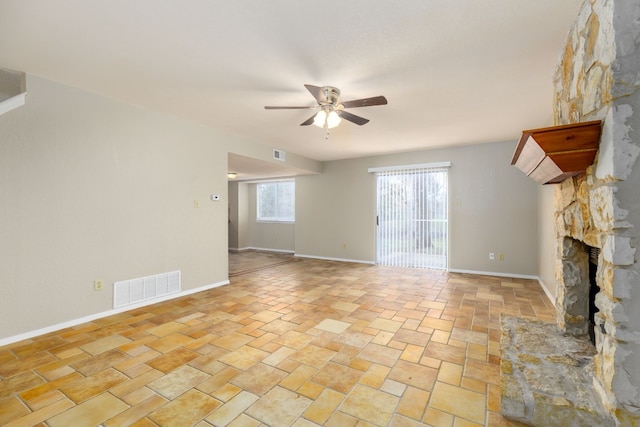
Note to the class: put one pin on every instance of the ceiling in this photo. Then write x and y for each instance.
(454, 72)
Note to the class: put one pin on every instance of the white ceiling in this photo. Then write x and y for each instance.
(453, 71)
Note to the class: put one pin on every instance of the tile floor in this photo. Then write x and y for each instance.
(306, 343)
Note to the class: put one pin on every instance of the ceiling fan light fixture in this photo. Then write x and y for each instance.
(321, 117)
(232, 175)
(330, 120)
(333, 120)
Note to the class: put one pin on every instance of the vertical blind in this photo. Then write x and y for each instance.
(412, 217)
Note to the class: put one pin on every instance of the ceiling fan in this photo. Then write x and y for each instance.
(331, 108)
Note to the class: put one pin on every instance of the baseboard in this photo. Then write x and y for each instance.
(251, 248)
(547, 291)
(493, 273)
(85, 319)
(359, 261)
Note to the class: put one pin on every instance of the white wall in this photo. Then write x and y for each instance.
(493, 208)
(92, 189)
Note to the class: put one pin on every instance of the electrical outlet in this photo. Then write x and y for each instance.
(97, 285)
(344, 246)
(500, 256)
(492, 256)
(196, 203)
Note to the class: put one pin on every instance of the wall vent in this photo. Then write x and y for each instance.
(278, 154)
(128, 292)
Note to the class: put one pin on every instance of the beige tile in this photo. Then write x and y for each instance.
(393, 387)
(209, 363)
(412, 353)
(178, 381)
(313, 355)
(436, 418)
(92, 412)
(298, 377)
(345, 306)
(338, 377)
(244, 421)
(45, 399)
(340, 419)
(385, 325)
(322, 408)
(450, 373)
(104, 344)
(12, 408)
(334, 326)
(185, 410)
(413, 403)
(278, 356)
(169, 342)
(279, 407)
(310, 390)
(127, 387)
(380, 354)
(231, 410)
(136, 413)
(370, 405)
(443, 325)
(226, 392)
(218, 380)
(484, 371)
(413, 374)
(375, 376)
(459, 402)
(259, 378)
(85, 388)
(166, 329)
(232, 341)
(171, 360)
(244, 357)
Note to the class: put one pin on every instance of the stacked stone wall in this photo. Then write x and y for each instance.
(598, 79)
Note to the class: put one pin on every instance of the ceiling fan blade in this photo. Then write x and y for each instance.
(309, 121)
(317, 93)
(365, 102)
(352, 118)
(271, 107)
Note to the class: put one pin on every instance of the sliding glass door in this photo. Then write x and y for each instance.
(412, 218)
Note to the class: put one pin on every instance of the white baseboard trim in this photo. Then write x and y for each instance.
(91, 317)
(493, 273)
(359, 261)
(251, 248)
(547, 291)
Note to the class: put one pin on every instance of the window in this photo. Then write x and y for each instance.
(276, 201)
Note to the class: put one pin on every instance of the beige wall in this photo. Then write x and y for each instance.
(234, 220)
(493, 208)
(92, 189)
(547, 251)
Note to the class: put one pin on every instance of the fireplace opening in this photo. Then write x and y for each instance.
(594, 253)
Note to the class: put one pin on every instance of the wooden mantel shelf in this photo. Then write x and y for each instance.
(551, 155)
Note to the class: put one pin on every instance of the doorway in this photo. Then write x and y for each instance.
(412, 217)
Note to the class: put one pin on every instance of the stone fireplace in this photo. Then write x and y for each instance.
(598, 78)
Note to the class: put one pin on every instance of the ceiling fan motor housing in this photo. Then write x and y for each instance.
(332, 94)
